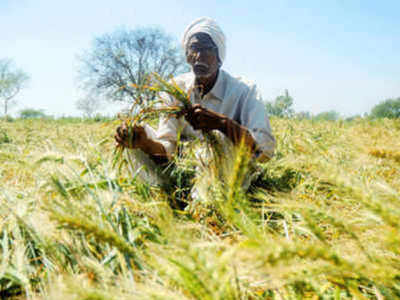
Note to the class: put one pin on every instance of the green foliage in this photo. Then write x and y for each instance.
(8, 119)
(282, 106)
(353, 117)
(98, 118)
(327, 116)
(389, 108)
(101, 118)
(4, 138)
(31, 113)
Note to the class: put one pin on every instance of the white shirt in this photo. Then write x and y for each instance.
(233, 97)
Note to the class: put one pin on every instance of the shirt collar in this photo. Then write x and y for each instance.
(218, 90)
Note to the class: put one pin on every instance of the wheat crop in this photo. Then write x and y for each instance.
(321, 220)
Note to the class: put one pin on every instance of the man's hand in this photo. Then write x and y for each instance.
(134, 137)
(204, 119)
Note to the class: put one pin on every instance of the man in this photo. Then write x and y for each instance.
(220, 102)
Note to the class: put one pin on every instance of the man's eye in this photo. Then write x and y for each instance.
(197, 49)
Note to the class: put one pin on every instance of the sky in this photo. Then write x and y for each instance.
(330, 55)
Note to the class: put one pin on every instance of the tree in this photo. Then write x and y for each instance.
(328, 116)
(303, 115)
(31, 113)
(353, 117)
(12, 81)
(389, 108)
(282, 106)
(88, 105)
(125, 57)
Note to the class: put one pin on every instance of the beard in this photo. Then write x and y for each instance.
(203, 70)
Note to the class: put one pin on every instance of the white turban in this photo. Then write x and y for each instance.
(209, 26)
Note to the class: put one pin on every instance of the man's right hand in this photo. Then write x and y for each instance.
(136, 138)
(133, 137)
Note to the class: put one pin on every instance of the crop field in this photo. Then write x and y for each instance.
(321, 220)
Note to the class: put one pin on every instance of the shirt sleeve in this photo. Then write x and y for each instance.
(254, 116)
(168, 128)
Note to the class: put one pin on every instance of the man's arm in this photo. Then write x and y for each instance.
(136, 138)
(204, 119)
(254, 117)
(236, 133)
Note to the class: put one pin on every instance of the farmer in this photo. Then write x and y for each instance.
(220, 102)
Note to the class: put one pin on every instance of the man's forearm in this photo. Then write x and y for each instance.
(156, 151)
(236, 133)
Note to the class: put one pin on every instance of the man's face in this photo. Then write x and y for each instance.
(202, 55)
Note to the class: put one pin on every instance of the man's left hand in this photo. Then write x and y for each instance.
(204, 119)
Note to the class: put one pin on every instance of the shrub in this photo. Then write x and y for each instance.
(282, 106)
(31, 113)
(389, 108)
(328, 116)
(4, 138)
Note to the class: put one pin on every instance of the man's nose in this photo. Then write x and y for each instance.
(200, 53)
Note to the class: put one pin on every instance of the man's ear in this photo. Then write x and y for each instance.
(187, 56)
(219, 60)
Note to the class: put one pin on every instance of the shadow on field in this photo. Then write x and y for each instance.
(282, 180)
(285, 181)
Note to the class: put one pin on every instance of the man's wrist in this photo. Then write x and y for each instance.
(236, 132)
(153, 148)
(223, 125)
(146, 146)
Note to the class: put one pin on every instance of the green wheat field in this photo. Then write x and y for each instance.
(321, 220)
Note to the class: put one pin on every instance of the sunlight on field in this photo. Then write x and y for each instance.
(321, 219)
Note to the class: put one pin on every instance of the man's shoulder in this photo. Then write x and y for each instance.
(239, 82)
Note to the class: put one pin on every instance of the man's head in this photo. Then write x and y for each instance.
(202, 55)
(204, 45)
